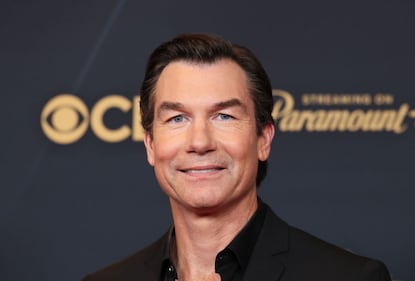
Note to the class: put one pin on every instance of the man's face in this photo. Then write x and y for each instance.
(204, 146)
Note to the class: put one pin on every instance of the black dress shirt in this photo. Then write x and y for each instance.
(232, 261)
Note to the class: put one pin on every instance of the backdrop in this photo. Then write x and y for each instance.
(76, 190)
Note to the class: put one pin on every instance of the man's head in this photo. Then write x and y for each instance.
(209, 49)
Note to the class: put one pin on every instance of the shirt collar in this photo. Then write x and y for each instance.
(171, 237)
(244, 242)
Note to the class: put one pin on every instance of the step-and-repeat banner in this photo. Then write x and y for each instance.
(76, 191)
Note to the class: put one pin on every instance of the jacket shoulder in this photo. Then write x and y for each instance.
(306, 257)
(321, 258)
(141, 265)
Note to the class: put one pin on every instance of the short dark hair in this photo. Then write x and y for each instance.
(207, 48)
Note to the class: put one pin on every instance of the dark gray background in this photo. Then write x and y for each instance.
(68, 210)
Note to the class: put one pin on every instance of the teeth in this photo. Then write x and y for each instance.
(204, 171)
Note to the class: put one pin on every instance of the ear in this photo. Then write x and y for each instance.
(148, 142)
(264, 141)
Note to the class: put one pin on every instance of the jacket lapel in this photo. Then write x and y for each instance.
(267, 260)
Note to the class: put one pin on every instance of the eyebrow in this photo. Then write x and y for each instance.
(168, 105)
(177, 106)
(230, 103)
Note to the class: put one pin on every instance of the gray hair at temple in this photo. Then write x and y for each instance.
(208, 49)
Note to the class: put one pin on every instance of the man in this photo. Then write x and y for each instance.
(206, 110)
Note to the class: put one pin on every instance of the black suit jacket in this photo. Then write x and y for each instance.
(281, 253)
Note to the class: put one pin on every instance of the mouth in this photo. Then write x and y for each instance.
(201, 170)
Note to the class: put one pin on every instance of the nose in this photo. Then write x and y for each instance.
(200, 138)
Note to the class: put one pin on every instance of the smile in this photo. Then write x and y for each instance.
(201, 170)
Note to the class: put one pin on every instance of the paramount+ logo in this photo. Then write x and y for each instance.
(65, 118)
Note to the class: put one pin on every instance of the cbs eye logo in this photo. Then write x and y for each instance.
(65, 119)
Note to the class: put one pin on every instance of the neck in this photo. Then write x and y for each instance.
(200, 236)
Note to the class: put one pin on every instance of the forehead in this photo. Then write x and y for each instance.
(187, 80)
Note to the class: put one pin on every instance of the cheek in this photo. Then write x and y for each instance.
(165, 150)
(242, 148)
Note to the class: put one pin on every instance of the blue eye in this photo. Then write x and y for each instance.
(223, 116)
(177, 119)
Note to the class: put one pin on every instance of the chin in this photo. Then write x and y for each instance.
(199, 203)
